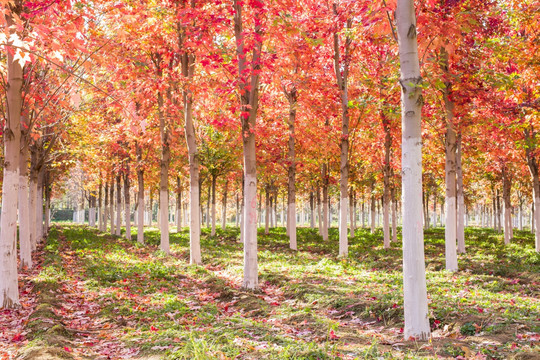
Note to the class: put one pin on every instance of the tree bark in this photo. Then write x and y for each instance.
(25, 241)
(450, 227)
(164, 176)
(224, 206)
(373, 213)
(394, 215)
(460, 201)
(111, 204)
(292, 97)
(127, 204)
(507, 186)
(9, 291)
(249, 100)
(118, 227)
(326, 210)
(106, 206)
(267, 210)
(414, 277)
(341, 69)
(178, 214)
(213, 231)
(140, 197)
(351, 212)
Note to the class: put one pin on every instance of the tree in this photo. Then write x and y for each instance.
(414, 272)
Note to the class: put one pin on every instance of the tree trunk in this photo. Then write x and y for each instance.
(213, 231)
(311, 210)
(373, 213)
(351, 210)
(100, 205)
(341, 68)
(325, 199)
(118, 228)
(507, 186)
(414, 276)
(106, 206)
(319, 215)
(450, 226)
(394, 215)
(498, 215)
(224, 206)
(178, 213)
(249, 100)
(164, 177)
(25, 241)
(47, 190)
(39, 204)
(9, 291)
(32, 208)
(140, 198)
(127, 204)
(111, 204)
(267, 211)
(460, 201)
(387, 169)
(92, 209)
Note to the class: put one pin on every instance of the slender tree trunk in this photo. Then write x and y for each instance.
(127, 204)
(118, 228)
(47, 191)
(326, 205)
(92, 209)
(140, 198)
(111, 211)
(32, 208)
(236, 217)
(39, 204)
(224, 206)
(351, 212)
(100, 205)
(164, 177)
(9, 291)
(25, 241)
(460, 201)
(106, 206)
(319, 215)
(341, 69)
(498, 208)
(414, 276)
(450, 227)
(373, 213)
(394, 216)
(178, 214)
(311, 210)
(213, 231)
(249, 100)
(507, 186)
(387, 170)
(194, 166)
(267, 210)
(209, 199)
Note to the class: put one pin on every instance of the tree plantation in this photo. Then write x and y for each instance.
(281, 179)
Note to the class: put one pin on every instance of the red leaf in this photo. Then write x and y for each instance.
(67, 349)
(153, 328)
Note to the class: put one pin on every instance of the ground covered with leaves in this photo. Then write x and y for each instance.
(95, 296)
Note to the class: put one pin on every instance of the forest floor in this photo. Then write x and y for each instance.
(96, 296)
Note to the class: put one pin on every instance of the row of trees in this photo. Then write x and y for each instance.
(301, 96)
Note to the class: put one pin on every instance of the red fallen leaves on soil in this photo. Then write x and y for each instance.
(67, 349)
(333, 335)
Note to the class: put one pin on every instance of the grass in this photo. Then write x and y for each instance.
(119, 298)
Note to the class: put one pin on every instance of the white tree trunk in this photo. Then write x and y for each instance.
(450, 227)
(291, 215)
(414, 277)
(25, 241)
(250, 228)
(394, 220)
(460, 201)
(164, 220)
(118, 228)
(39, 211)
